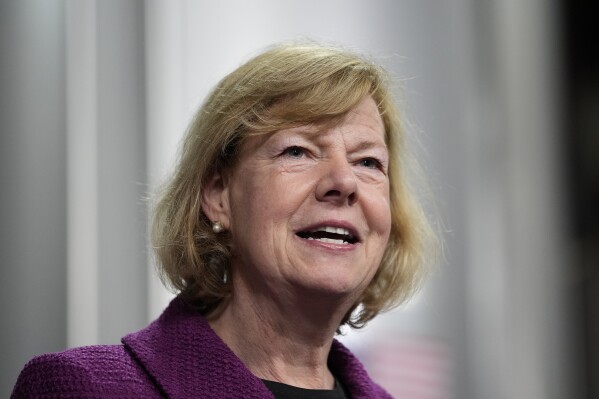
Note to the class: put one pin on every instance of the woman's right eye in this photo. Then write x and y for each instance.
(294, 152)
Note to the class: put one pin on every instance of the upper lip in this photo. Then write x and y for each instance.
(341, 226)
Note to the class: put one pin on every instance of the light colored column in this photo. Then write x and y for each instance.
(33, 184)
(540, 359)
(164, 27)
(517, 278)
(82, 173)
(107, 289)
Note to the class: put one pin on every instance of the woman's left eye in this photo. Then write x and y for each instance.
(294, 152)
(370, 163)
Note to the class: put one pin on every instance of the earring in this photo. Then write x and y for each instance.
(217, 227)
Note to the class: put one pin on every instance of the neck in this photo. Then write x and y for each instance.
(284, 338)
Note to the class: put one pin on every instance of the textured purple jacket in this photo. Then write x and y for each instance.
(177, 356)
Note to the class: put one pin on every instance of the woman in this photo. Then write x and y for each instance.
(288, 217)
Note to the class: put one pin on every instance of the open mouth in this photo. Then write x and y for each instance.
(329, 234)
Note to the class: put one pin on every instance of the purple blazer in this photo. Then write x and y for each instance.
(176, 356)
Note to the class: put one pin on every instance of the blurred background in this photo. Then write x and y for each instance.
(502, 98)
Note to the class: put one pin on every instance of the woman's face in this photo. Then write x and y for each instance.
(308, 207)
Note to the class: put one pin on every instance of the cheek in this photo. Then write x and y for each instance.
(260, 201)
(384, 225)
(378, 211)
(242, 199)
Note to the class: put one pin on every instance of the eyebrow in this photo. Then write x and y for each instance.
(367, 145)
(313, 132)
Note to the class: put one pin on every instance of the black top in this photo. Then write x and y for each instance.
(284, 391)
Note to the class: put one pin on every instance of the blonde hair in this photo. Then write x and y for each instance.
(288, 85)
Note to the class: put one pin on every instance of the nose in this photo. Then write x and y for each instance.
(337, 183)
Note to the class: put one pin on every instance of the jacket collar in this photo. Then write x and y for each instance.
(185, 358)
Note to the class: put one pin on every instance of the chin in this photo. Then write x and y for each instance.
(335, 288)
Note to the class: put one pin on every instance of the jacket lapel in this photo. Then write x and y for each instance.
(186, 359)
(350, 371)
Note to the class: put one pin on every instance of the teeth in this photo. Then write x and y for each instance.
(332, 241)
(329, 240)
(335, 230)
(345, 235)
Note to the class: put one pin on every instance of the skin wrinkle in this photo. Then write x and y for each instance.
(285, 366)
(289, 294)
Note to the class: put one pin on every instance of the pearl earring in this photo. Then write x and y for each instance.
(217, 227)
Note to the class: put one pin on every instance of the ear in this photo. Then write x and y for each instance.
(215, 200)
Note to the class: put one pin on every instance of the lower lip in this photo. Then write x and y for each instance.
(328, 245)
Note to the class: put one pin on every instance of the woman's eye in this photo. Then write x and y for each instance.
(370, 163)
(294, 152)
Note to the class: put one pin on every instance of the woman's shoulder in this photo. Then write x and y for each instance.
(90, 371)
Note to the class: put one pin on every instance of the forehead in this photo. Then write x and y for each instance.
(362, 123)
(366, 117)
(363, 120)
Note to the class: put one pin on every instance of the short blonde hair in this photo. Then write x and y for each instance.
(288, 85)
